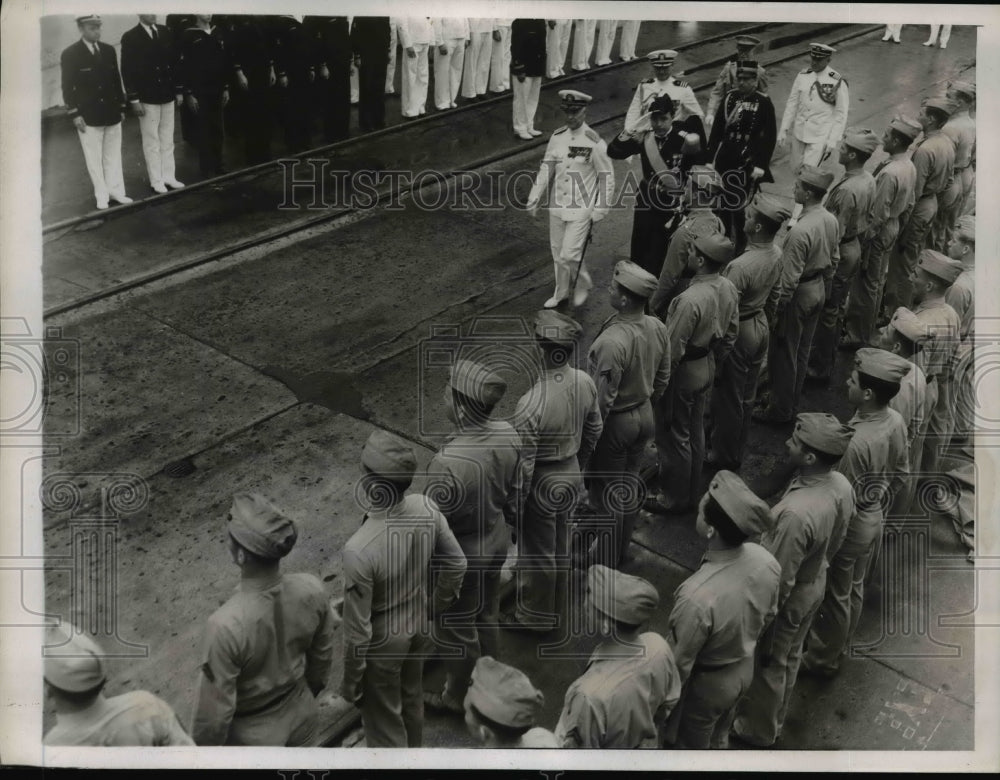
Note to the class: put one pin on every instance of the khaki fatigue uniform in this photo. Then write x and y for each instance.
(939, 364)
(755, 275)
(267, 651)
(387, 571)
(895, 179)
(134, 719)
(812, 518)
(623, 698)
(629, 362)
(961, 297)
(961, 129)
(702, 325)
(698, 222)
(718, 614)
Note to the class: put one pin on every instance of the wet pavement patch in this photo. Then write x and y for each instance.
(334, 390)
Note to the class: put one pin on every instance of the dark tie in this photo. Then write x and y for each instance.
(152, 31)
(97, 51)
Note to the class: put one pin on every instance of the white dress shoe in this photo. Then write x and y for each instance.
(101, 205)
(123, 199)
(552, 302)
(174, 184)
(535, 132)
(524, 136)
(159, 188)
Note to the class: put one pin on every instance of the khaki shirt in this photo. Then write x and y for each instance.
(134, 719)
(720, 610)
(629, 362)
(685, 103)
(698, 222)
(895, 180)
(911, 401)
(583, 179)
(704, 316)
(811, 246)
(558, 418)
(877, 459)
(755, 276)
(810, 118)
(946, 326)
(726, 82)
(961, 296)
(622, 698)
(850, 201)
(387, 570)
(934, 159)
(271, 634)
(961, 129)
(811, 520)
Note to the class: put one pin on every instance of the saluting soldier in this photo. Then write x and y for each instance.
(74, 682)
(559, 423)
(809, 257)
(934, 160)
(810, 522)
(584, 181)
(629, 362)
(502, 708)
(631, 684)
(895, 179)
(815, 112)
(92, 92)
(702, 325)
(876, 463)
(961, 129)
(388, 593)
(741, 144)
(477, 480)
(755, 275)
(663, 83)
(666, 150)
(726, 81)
(268, 650)
(850, 201)
(719, 613)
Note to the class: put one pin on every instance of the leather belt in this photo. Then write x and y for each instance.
(847, 240)
(810, 277)
(626, 408)
(750, 315)
(264, 707)
(713, 667)
(694, 353)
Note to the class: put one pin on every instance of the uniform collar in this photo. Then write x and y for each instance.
(259, 584)
(704, 278)
(874, 416)
(637, 317)
(721, 556)
(899, 156)
(800, 481)
(758, 245)
(930, 303)
(856, 172)
(612, 649)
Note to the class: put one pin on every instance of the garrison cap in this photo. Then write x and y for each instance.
(573, 99)
(663, 104)
(910, 325)
(823, 432)
(477, 382)
(635, 278)
(939, 266)
(771, 207)
(556, 326)
(716, 247)
(75, 662)
(260, 527)
(662, 57)
(704, 178)
(906, 126)
(821, 50)
(941, 104)
(385, 453)
(746, 68)
(744, 507)
(963, 88)
(504, 694)
(621, 597)
(816, 177)
(965, 228)
(747, 40)
(88, 19)
(882, 365)
(864, 140)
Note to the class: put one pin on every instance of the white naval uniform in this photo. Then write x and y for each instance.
(451, 32)
(685, 103)
(500, 62)
(583, 42)
(556, 46)
(415, 32)
(584, 183)
(477, 58)
(630, 34)
(605, 40)
(814, 121)
(390, 68)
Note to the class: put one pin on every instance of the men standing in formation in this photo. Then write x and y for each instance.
(527, 66)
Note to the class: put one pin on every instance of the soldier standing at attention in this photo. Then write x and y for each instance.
(577, 158)
(666, 150)
(702, 325)
(720, 611)
(816, 111)
(961, 129)
(961, 296)
(663, 83)
(810, 522)
(631, 684)
(527, 66)
(205, 70)
(268, 650)
(388, 592)
(755, 275)
(630, 365)
(726, 80)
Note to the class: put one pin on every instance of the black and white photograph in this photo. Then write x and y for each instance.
(497, 389)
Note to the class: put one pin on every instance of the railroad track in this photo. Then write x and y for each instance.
(781, 43)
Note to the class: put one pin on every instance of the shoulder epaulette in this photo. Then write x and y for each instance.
(835, 75)
(592, 135)
(560, 130)
(804, 71)
(646, 81)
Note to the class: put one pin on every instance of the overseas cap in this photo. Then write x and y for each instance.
(883, 365)
(823, 432)
(386, 453)
(821, 50)
(906, 126)
(863, 140)
(941, 104)
(746, 68)
(571, 98)
(771, 207)
(662, 56)
(965, 227)
(939, 266)
(704, 178)
(556, 326)
(816, 177)
(477, 382)
(963, 88)
(260, 528)
(504, 694)
(621, 597)
(716, 247)
(910, 325)
(750, 514)
(75, 664)
(635, 278)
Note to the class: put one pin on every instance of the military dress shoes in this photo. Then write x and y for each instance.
(174, 184)
(534, 133)
(524, 135)
(552, 302)
(159, 188)
(122, 199)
